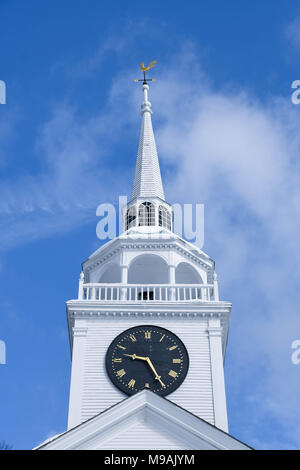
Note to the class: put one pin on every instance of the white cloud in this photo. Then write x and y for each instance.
(76, 176)
(241, 157)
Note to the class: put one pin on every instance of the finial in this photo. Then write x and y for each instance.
(145, 69)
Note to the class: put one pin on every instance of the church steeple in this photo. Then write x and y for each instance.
(147, 206)
(148, 322)
(147, 178)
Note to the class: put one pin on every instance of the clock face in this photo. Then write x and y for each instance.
(147, 357)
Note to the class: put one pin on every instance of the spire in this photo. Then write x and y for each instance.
(147, 178)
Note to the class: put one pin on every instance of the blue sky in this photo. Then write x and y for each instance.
(227, 136)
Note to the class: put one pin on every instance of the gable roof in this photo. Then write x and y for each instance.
(144, 421)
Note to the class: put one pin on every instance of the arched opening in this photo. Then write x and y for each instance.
(130, 218)
(111, 274)
(148, 269)
(146, 214)
(164, 217)
(187, 274)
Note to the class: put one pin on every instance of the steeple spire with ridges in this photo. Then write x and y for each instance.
(147, 178)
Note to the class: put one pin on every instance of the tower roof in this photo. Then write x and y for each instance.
(147, 178)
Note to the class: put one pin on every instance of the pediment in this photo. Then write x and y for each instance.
(144, 421)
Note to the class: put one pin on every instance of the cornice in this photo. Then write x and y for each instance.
(94, 310)
(140, 306)
(79, 310)
(116, 313)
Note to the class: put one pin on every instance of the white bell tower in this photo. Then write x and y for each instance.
(148, 276)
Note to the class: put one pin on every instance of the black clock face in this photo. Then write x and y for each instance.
(147, 357)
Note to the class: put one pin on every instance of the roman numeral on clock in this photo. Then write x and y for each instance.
(121, 372)
(173, 374)
(131, 383)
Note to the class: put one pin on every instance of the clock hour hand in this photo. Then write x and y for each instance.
(134, 356)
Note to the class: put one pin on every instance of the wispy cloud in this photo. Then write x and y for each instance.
(241, 157)
(76, 176)
(74, 151)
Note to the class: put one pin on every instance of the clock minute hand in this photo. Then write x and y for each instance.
(148, 360)
(158, 377)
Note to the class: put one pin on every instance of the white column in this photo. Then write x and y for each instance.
(217, 372)
(77, 372)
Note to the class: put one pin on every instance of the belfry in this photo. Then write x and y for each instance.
(148, 332)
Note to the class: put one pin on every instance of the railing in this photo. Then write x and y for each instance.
(147, 293)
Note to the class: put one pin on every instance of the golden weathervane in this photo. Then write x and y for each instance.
(145, 69)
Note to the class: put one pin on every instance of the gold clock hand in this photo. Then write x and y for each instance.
(134, 356)
(158, 377)
(130, 355)
(148, 360)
